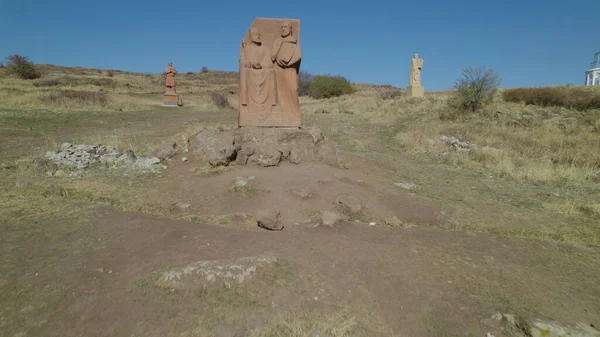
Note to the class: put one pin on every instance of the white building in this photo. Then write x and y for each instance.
(592, 76)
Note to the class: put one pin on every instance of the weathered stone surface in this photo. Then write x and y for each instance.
(264, 147)
(406, 186)
(270, 58)
(166, 151)
(214, 273)
(216, 147)
(330, 218)
(349, 204)
(269, 219)
(79, 157)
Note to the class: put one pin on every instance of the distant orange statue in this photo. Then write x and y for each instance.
(269, 64)
(170, 97)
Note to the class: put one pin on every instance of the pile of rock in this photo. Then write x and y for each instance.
(457, 144)
(264, 146)
(79, 157)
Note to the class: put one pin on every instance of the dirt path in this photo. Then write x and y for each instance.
(401, 282)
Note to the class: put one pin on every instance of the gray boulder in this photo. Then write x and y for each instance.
(269, 219)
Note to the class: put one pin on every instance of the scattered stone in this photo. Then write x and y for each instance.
(457, 144)
(80, 157)
(349, 204)
(184, 159)
(330, 218)
(180, 205)
(215, 273)
(406, 186)
(60, 173)
(372, 223)
(321, 111)
(269, 219)
(241, 185)
(301, 192)
(264, 146)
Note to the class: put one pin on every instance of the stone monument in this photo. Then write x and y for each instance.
(270, 57)
(170, 97)
(414, 83)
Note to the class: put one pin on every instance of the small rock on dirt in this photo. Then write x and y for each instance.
(330, 218)
(349, 204)
(406, 186)
(269, 219)
(166, 151)
(239, 217)
(180, 205)
(301, 192)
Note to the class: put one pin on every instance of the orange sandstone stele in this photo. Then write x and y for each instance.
(270, 58)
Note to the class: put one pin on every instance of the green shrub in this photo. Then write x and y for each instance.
(21, 66)
(325, 86)
(571, 98)
(474, 90)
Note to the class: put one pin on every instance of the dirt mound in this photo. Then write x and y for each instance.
(264, 146)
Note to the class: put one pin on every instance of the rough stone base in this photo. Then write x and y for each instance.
(264, 146)
(415, 92)
(170, 100)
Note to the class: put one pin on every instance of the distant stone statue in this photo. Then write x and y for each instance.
(414, 83)
(258, 89)
(269, 64)
(170, 97)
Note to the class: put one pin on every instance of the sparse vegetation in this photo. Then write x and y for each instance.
(474, 90)
(99, 98)
(204, 69)
(325, 86)
(22, 67)
(74, 81)
(570, 98)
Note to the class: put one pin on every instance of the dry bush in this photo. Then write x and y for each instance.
(391, 94)
(75, 81)
(204, 69)
(325, 86)
(220, 100)
(304, 79)
(474, 90)
(570, 98)
(20, 66)
(85, 97)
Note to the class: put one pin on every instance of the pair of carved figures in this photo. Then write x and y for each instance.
(269, 76)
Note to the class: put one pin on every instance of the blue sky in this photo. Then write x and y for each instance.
(528, 42)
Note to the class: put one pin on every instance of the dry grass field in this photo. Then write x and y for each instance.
(81, 254)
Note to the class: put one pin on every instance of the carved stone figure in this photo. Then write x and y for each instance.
(258, 91)
(287, 55)
(269, 64)
(170, 97)
(414, 82)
